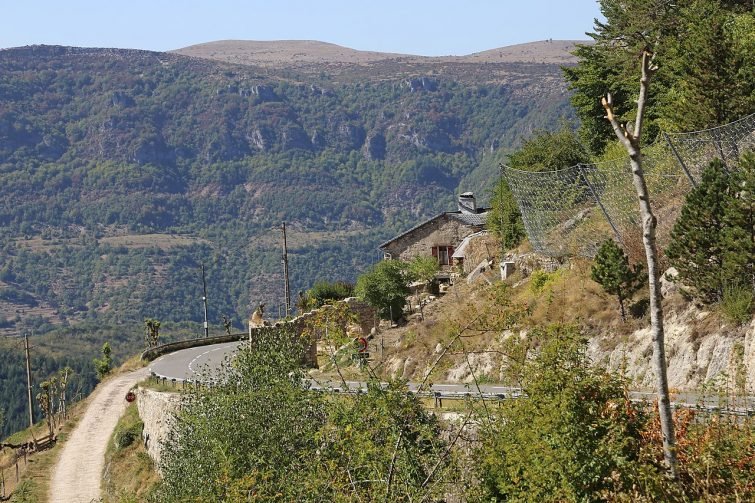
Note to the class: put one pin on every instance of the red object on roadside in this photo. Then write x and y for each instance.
(130, 396)
(362, 342)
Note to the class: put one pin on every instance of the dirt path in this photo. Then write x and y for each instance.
(76, 478)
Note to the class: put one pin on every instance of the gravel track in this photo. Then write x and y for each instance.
(77, 475)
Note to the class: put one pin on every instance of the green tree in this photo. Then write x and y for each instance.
(713, 64)
(550, 150)
(255, 433)
(611, 270)
(504, 219)
(574, 436)
(385, 287)
(711, 242)
(104, 365)
(739, 219)
(151, 332)
(422, 269)
(704, 50)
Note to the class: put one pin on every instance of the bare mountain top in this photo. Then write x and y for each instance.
(305, 52)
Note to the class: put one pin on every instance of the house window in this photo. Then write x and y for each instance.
(443, 254)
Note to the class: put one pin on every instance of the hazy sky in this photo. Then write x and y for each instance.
(425, 27)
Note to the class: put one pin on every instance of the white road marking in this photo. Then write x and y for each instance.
(191, 363)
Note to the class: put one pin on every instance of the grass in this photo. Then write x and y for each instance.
(35, 474)
(129, 474)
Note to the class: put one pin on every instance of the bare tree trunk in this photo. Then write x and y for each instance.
(631, 141)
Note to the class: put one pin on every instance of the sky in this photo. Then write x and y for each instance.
(422, 27)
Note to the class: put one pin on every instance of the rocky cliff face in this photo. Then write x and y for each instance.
(700, 351)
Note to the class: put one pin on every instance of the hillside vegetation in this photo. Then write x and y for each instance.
(123, 171)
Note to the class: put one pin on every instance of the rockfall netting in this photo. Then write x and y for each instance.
(570, 211)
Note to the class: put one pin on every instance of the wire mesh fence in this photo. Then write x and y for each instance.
(570, 211)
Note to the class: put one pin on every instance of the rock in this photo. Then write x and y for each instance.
(668, 284)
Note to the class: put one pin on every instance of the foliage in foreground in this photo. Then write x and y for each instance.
(577, 437)
(261, 435)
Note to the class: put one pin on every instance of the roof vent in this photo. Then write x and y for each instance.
(467, 203)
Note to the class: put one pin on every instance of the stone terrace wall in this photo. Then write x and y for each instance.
(156, 410)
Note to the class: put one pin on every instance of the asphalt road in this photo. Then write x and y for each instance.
(197, 364)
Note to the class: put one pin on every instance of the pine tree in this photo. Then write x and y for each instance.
(738, 235)
(104, 365)
(612, 271)
(504, 219)
(699, 237)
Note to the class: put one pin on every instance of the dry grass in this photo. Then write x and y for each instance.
(129, 474)
(35, 474)
(568, 296)
(292, 52)
(162, 241)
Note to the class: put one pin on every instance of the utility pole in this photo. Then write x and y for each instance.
(287, 289)
(204, 299)
(28, 380)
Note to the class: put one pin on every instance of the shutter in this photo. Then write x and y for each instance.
(451, 251)
(435, 251)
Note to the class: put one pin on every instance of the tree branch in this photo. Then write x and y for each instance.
(393, 462)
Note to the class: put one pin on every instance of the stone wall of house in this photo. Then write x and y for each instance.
(481, 247)
(443, 231)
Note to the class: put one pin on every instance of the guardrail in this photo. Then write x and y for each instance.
(152, 353)
(510, 394)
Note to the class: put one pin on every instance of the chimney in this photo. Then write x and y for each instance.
(467, 203)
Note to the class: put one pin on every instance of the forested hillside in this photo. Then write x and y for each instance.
(122, 172)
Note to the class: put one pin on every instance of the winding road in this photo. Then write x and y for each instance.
(194, 363)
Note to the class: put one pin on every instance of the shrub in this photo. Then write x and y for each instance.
(122, 438)
(574, 436)
(324, 292)
(540, 279)
(737, 303)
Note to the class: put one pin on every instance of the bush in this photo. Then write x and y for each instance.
(540, 279)
(574, 436)
(324, 292)
(737, 303)
(122, 438)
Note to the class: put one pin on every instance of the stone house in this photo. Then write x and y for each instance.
(439, 236)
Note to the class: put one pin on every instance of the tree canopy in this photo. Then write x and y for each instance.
(705, 52)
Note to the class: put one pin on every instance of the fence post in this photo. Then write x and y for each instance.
(600, 203)
(679, 158)
(717, 141)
